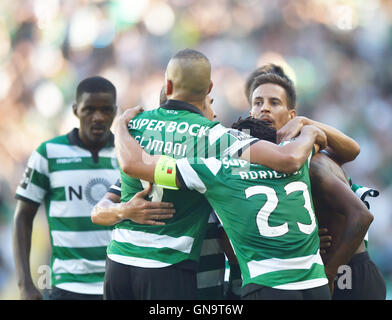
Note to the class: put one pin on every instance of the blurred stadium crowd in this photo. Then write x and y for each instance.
(337, 51)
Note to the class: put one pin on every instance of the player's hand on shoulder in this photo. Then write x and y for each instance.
(129, 113)
(291, 129)
(320, 136)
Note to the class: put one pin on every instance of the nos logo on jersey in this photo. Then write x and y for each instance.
(93, 192)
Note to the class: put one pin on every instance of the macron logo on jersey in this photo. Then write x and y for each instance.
(169, 126)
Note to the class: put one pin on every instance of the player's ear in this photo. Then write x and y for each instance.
(210, 87)
(292, 114)
(75, 109)
(169, 88)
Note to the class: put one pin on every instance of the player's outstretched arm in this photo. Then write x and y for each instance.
(287, 158)
(332, 190)
(22, 230)
(341, 147)
(110, 211)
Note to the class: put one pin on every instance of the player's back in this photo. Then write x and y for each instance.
(329, 212)
(268, 217)
(177, 130)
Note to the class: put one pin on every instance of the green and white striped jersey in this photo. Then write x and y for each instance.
(65, 176)
(211, 270)
(176, 129)
(268, 217)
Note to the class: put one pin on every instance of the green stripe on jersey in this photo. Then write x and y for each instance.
(90, 253)
(164, 255)
(40, 180)
(58, 278)
(79, 163)
(58, 194)
(75, 224)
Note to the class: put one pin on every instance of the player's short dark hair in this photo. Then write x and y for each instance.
(95, 84)
(256, 128)
(189, 54)
(271, 73)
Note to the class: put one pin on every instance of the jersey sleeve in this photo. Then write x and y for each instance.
(35, 182)
(228, 142)
(116, 188)
(198, 173)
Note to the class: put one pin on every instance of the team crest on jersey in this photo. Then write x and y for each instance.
(96, 189)
(26, 178)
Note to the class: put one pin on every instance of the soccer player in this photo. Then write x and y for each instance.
(211, 268)
(160, 262)
(267, 215)
(272, 97)
(69, 174)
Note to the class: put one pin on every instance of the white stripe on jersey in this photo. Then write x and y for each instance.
(190, 176)
(81, 239)
(82, 287)
(107, 153)
(216, 132)
(213, 164)
(257, 268)
(38, 163)
(152, 240)
(138, 262)
(32, 192)
(301, 285)
(74, 178)
(78, 266)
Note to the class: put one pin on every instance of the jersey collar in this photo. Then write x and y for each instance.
(74, 139)
(180, 105)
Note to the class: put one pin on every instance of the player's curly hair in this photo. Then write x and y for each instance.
(256, 128)
(270, 73)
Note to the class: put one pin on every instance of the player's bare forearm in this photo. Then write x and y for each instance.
(107, 211)
(341, 147)
(22, 231)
